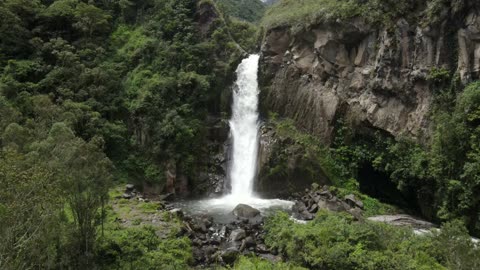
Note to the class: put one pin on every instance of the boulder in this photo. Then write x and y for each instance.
(245, 211)
(249, 242)
(237, 235)
(229, 255)
(299, 207)
(223, 232)
(313, 208)
(262, 249)
(403, 220)
(129, 187)
(127, 196)
(304, 215)
(353, 202)
(335, 205)
(176, 212)
(166, 197)
(356, 213)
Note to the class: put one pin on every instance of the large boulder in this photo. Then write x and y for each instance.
(230, 255)
(245, 211)
(353, 201)
(237, 235)
(403, 220)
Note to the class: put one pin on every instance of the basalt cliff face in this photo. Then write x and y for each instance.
(375, 76)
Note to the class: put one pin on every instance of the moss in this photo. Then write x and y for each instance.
(150, 207)
(314, 152)
(371, 206)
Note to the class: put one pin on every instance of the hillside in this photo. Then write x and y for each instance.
(240, 134)
(390, 87)
(248, 10)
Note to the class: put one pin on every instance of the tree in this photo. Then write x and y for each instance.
(90, 19)
(29, 213)
(84, 174)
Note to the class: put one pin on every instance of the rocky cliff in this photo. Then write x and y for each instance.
(377, 77)
(374, 75)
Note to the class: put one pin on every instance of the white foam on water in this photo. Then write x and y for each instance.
(244, 128)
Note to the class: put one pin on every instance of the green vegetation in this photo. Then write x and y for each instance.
(138, 235)
(107, 91)
(335, 241)
(312, 150)
(96, 91)
(141, 248)
(298, 14)
(248, 10)
(338, 164)
(253, 263)
(443, 174)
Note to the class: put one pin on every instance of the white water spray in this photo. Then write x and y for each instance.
(244, 129)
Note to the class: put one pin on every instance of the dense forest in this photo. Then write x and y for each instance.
(95, 94)
(95, 91)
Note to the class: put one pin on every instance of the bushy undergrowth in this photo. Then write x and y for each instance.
(141, 248)
(338, 164)
(255, 263)
(335, 241)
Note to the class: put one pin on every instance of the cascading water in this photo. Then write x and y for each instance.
(244, 129)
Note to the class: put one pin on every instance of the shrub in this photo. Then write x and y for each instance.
(141, 248)
(335, 241)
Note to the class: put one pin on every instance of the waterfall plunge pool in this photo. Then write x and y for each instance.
(221, 208)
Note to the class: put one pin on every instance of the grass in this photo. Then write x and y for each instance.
(371, 206)
(307, 12)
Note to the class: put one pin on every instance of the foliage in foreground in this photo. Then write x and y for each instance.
(84, 86)
(141, 248)
(335, 241)
(255, 263)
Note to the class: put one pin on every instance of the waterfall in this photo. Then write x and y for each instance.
(244, 131)
(244, 128)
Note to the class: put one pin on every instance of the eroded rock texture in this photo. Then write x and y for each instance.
(374, 76)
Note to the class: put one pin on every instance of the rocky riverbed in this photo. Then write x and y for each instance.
(219, 241)
(216, 243)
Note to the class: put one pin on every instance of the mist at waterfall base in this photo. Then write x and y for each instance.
(244, 132)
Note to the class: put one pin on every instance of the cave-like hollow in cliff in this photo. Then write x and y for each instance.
(378, 184)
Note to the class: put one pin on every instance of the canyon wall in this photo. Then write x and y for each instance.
(374, 76)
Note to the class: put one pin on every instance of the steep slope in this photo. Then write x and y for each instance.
(365, 77)
(376, 74)
(248, 10)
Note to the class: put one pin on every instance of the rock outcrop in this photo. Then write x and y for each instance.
(245, 211)
(321, 198)
(404, 220)
(221, 243)
(286, 166)
(377, 77)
